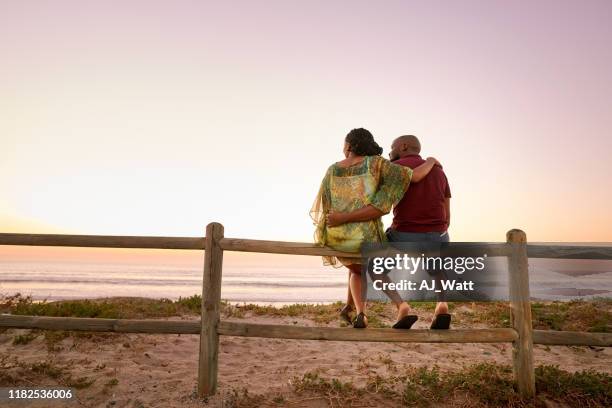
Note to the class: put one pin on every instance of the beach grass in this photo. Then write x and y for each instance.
(478, 385)
(484, 384)
(46, 368)
(577, 315)
(592, 316)
(109, 308)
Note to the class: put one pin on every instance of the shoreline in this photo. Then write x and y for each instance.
(279, 304)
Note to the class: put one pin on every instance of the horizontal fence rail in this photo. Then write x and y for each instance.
(570, 338)
(102, 241)
(501, 335)
(240, 329)
(300, 248)
(276, 247)
(558, 251)
(569, 252)
(96, 324)
(210, 326)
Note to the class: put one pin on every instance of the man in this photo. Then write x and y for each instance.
(423, 214)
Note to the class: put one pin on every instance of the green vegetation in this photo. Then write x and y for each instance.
(110, 308)
(112, 382)
(578, 315)
(46, 368)
(483, 385)
(478, 385)
(336, 392)
(241, 398)
(25, 338)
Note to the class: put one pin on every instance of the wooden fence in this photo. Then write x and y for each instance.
(210, 327)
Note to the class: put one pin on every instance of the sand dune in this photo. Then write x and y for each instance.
(138, 370)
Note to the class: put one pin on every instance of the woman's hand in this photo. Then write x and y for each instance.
(335, 219)
(420, 172)
(434, 161)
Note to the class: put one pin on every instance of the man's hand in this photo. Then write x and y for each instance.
(335, 218)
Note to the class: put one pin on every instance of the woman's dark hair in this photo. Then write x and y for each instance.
(362, 143)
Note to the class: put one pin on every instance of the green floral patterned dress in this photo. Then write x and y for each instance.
(375, 181)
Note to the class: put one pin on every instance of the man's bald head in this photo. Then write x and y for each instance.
(403, 146)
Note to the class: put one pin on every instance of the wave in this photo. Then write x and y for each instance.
(162, 282)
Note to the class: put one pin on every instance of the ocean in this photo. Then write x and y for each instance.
(250, 278)
(253, 279)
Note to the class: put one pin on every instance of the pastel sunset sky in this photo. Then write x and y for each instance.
(156, 118)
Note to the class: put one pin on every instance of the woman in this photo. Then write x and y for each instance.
(367, 182)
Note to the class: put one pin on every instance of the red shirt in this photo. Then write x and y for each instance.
(422, 208)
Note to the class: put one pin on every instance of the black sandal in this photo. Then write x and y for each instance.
(441, 322)
(345, 314)
(406, 322)
(359, 322)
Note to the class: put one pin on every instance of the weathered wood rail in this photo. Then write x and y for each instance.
(210, 327)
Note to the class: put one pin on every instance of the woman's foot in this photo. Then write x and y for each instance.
(361, 321)
(345, 314)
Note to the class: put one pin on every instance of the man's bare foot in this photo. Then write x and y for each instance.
(405, 318)
(403, 310)
(441, 308)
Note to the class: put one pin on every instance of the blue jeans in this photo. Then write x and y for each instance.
(431, 242)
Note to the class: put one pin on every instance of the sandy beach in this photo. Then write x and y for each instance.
(140, 370)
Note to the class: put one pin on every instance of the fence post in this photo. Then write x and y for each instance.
(211, 297)
(520, 313)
